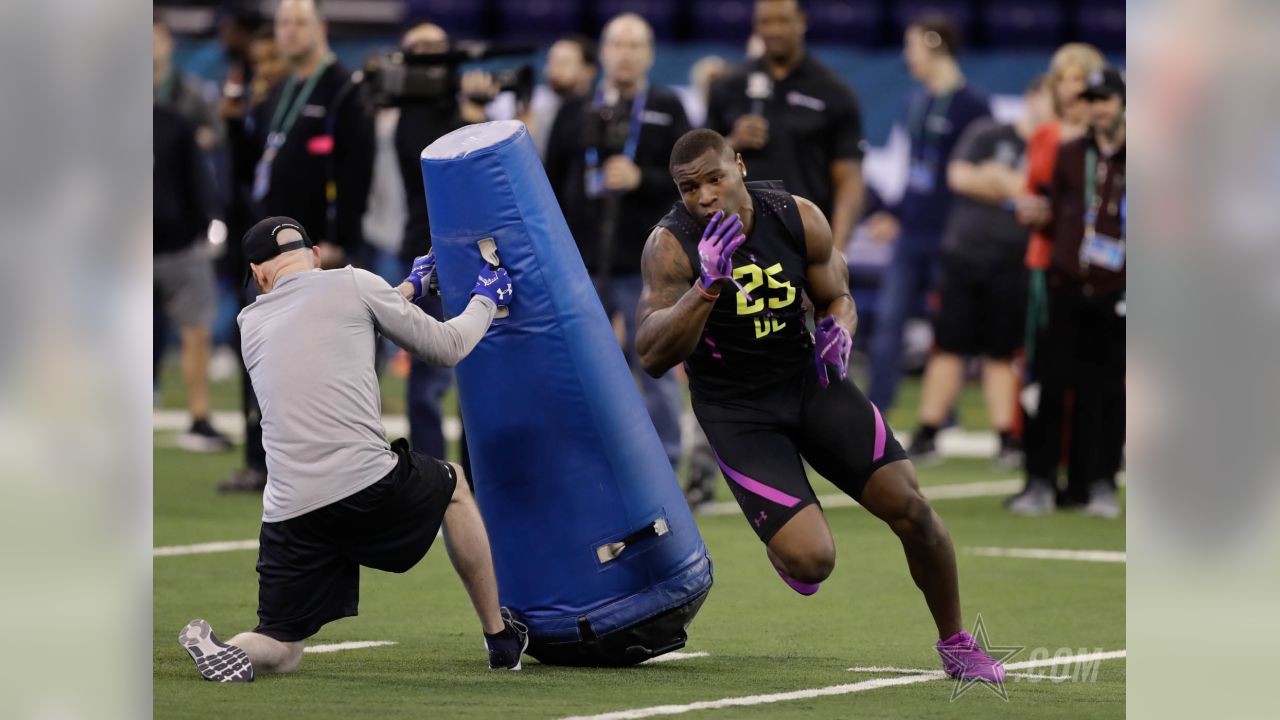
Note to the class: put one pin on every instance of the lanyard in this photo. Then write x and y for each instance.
(940, 106)
(282, 121)
(633, 134)
(1092, 202)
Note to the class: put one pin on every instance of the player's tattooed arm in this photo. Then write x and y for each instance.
(827, 273)
(671, 312)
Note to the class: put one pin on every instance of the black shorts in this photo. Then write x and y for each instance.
(309, 566)
(759, 441)
(983, 307)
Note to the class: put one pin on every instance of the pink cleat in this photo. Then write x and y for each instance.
(802, 588)
(962, 658)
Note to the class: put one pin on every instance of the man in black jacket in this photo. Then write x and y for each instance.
(607, 162)
(311, 147)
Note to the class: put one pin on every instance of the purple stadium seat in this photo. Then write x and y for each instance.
(1023, 23)
(722, 20)
(460, 18)
(1101, 22)
(538, 21)
(663, 15)
(959, 11)
(849, 22)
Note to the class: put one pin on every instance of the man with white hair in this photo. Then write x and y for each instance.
(607, 163)
(338, 496)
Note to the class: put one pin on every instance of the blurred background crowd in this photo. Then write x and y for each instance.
(968, 153)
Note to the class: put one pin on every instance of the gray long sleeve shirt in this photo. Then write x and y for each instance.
(309, 348)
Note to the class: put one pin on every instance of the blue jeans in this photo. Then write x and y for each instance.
(661, 395)
(910, 274)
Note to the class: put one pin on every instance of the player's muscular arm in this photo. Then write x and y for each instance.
(671, 312)
(827, 273)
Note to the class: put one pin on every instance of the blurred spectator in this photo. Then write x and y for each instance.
(983, 288)
(703, 75)
(182, 92)
(793, 119)
(1081, 348)
(183, 269)
(268, 65)
(1068, 69)
(1071, 64)
(570, 72)
(936, 116)
(607, 162)
(311, 144)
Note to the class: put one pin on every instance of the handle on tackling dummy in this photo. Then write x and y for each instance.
(489, 251)
(610, 551)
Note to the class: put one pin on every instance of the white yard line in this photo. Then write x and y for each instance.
(232, 423)
(952, 443)
(959, 491)
(880, 669)
(1102, 556)
(846, 689)
(939, 492)
(202, 548)
(351, 645)
(675, 656)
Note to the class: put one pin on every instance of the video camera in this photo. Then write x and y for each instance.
(399, 78)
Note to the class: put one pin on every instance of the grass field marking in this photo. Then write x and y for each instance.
(958, 491)
(1102, 556)
(985, 488)
(231, 422)
(202, 548)
(675, 656)
(846, 689)
(952, 443)
(880, 669)
(349, 645)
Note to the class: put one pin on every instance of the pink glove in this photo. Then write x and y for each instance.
(833, 344)
(715, 251)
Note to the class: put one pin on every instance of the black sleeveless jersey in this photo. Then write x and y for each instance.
(749, 343)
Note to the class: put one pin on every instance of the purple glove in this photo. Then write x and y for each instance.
(495, 284)
(715, 251)
(423, 272)
(833, 344)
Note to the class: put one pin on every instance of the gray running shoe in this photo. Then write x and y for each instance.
(216, 660)
(1037, 499)
(1103, 501)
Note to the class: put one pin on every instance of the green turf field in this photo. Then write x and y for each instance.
(759, 637)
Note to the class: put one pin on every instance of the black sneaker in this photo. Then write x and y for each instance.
(923, 449)
(216, 660)
(201, 437)
(245, 480)
(506, 647)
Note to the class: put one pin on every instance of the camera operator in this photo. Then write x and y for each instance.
(607, 162)
(421, 122)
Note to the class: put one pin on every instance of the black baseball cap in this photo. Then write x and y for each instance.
(260, 244)
(1102, 84)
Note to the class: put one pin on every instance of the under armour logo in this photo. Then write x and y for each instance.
(504, 293)
(763, 516)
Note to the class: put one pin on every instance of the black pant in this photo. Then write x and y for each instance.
(1080, 357)
(255, 456)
